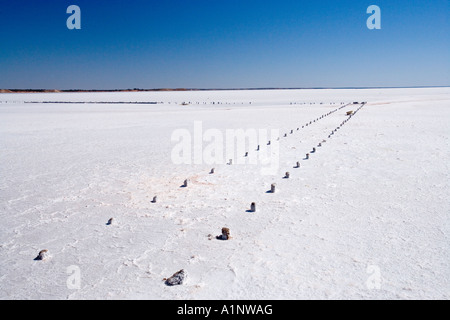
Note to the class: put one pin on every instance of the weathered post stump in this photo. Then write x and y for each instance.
(43, 254)
(225, 234)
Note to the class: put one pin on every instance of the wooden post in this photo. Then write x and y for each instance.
(225, 234)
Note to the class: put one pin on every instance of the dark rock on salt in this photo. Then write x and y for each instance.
(177, 278)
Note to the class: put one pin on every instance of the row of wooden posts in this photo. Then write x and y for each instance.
(287, 174)
(186, 103)
(311, 103)
(178, 277)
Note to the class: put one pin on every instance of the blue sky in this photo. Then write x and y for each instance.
(223, 44)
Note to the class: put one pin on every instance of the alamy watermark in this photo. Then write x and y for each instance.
(373, 282)
(74, 20)
(374, 21)
(232, 146)
(73, 281)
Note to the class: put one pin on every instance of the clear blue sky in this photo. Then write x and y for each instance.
(223, 44)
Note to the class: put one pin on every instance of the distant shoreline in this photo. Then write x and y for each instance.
(199, 89)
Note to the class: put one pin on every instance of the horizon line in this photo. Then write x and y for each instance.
(209, 89)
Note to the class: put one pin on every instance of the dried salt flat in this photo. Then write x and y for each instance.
(366, 216)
